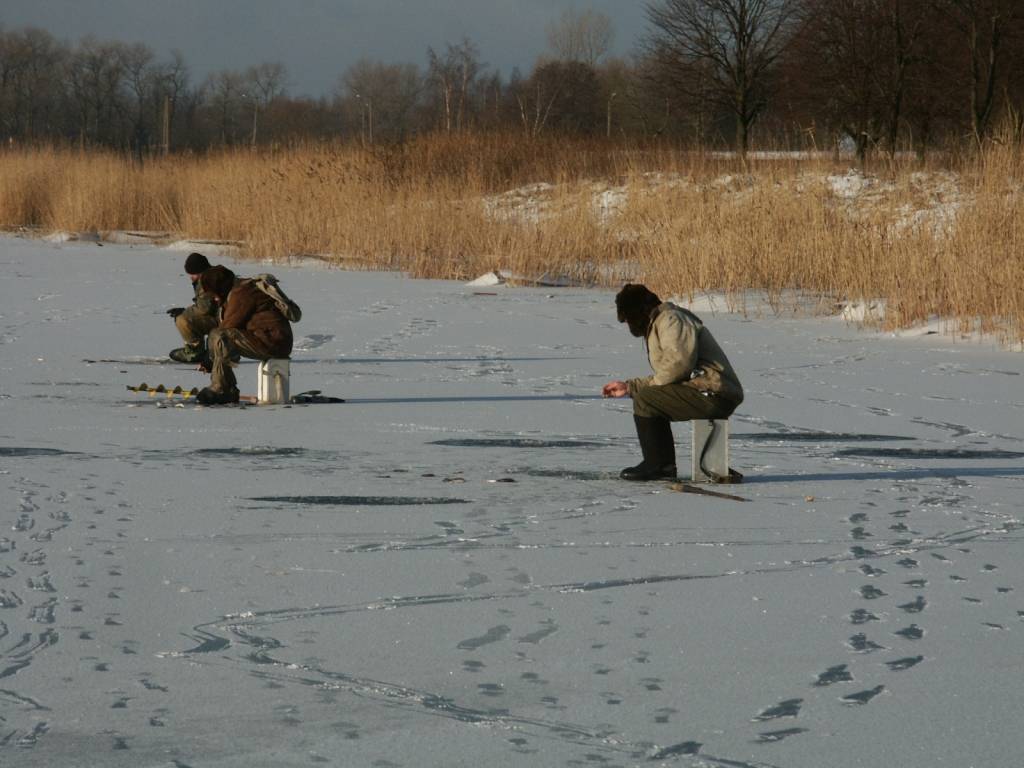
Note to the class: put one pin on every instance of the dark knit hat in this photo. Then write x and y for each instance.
(635, 300)
(217, 280)
(196, 264)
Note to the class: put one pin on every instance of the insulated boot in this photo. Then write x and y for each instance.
(210, 396)
(190, 353)
(658, 449)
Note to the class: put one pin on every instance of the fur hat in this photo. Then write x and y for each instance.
(217, 280)
(635, 300)
(196, 264)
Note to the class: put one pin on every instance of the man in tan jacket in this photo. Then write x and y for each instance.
(692, 378)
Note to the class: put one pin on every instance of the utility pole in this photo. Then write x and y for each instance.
(608, 130)
(165, 127)
(365, 116)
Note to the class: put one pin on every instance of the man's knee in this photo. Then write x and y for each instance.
(193, 328)
(644, 405)
(219, 343)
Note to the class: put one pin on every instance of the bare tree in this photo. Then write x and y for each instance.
(676, 98)
(224, 93)
(568, 97)
(95, 76)
(264, 83)
(31, 62)
(141, 80)
(906, 23)
(381, 97)
(534, 100)
(267, 81)
(1013, 94)
(732, 45)
(489, 95)
(987, 28)
(581, 36)
(453, 75)
(851, 61)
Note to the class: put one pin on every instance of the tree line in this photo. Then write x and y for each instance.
(868, 75)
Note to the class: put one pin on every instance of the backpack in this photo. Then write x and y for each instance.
(270, 286)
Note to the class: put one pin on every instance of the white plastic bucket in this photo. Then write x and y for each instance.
(272, 385)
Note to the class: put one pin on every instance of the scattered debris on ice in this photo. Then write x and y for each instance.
(871, 311)
(487, 280)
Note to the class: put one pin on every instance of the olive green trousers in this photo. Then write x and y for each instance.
(194, 326)
(226, 346)
(678, 402)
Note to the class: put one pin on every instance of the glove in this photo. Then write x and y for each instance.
(175, 311)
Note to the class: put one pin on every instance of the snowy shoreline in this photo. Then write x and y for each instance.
(445, 570)
(865, 314)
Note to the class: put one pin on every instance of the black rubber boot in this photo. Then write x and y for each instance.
(209, 396)
(658, 449)
(665, 449)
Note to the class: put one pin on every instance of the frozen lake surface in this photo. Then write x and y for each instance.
(446, 571)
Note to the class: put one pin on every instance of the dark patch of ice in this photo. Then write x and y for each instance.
(832, 675)
(816, 437)
(517, 442)
(861, 616)
(492, 635)
(250, 451)
(21, 452)
(771, 737)
(208, 644)
(929, 453)
(361, 501)
(540, 634)
(913, 632)
(906, 663)
(571, 474)
(787, 708)
(917, 605)
(861, 644)
(683, 748)
(863, 697)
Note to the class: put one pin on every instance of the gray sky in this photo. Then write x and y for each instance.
(317, 40)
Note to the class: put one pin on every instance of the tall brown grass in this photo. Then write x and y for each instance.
(928, 240)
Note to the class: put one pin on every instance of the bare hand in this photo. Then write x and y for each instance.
(615, 389)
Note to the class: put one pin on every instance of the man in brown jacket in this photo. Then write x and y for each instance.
(692, 378)
(250, 326)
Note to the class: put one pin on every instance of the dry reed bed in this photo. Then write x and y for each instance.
(943, 242)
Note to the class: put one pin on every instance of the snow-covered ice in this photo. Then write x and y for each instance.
(446, 571)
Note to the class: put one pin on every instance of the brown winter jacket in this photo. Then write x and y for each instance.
(249, 309)
(683, 351)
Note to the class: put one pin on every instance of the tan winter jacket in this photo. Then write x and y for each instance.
(682, 351)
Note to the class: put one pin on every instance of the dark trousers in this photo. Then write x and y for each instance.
(679, 402)
(226, 346)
